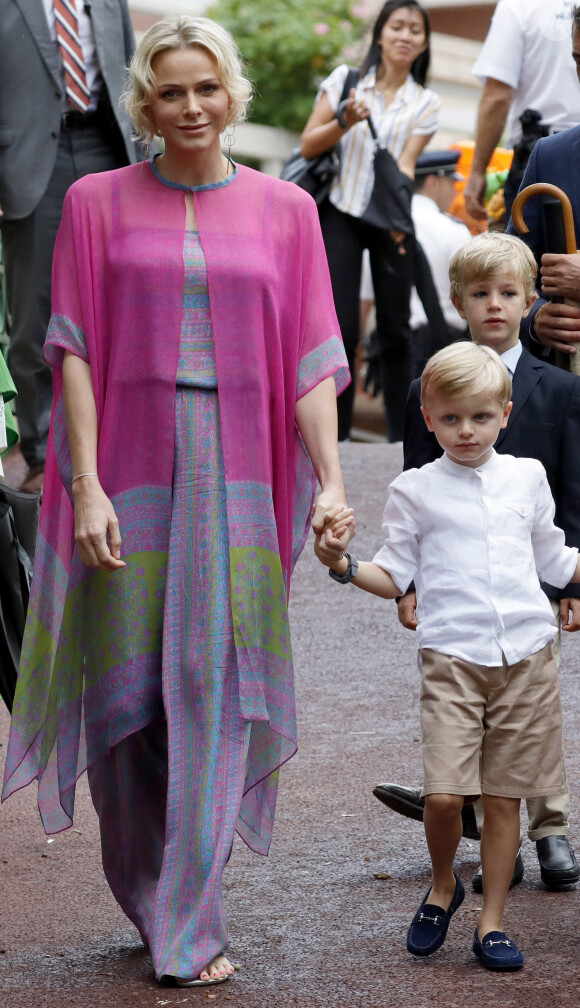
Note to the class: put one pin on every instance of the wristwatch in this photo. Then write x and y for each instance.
(350, 572)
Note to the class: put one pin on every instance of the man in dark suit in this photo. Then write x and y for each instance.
(555, 159)
(49, 137)
(544, 424)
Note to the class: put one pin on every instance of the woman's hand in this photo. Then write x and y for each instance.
(339, 529)
(353, 110)
(97, 532)
(326, 506)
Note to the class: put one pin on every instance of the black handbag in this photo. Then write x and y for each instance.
(389, 206)
(317, 174)
(18, 529)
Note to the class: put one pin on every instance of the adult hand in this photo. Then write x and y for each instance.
(329, 502)
(558, 326)
(354, 110)
(561, 275)
(330, 545)
(406, 610)
(97, 532)
(570, 614)
(474, 194)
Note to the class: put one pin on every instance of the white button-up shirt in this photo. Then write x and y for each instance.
(414, 110)
(476, 542)
(441, 236)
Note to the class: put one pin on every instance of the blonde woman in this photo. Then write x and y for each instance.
(195, 350)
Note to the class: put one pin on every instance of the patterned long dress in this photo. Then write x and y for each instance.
(168, 797)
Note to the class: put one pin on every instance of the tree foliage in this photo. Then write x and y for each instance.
(289, 46)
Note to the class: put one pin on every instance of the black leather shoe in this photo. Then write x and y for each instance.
(407, 801)
(477, 880)
(558, 865)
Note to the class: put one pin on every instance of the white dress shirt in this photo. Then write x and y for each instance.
(414, 111)
(511, 357)
(441, 236)
(476, 542)
(529, 47)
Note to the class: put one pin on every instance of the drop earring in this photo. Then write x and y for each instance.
(230, 137)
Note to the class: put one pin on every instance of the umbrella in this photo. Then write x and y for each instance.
(389, 206)
(551, 226)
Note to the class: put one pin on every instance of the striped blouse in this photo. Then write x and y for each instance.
(414, 111)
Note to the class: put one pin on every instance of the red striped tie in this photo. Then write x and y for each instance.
(67, 31)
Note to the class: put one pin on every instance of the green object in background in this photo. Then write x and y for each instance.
(8, 391)
(289, 48)
(494, 181)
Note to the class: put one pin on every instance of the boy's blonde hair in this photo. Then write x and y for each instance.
(466, 369)
(490, 253)
(184, 32)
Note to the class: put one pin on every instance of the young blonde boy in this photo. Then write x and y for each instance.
(544, 424)
(474, 530)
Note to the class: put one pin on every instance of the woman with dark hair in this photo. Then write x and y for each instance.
(405, 115)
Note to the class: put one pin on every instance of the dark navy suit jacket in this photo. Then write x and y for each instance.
(544, 424)
(554, 159)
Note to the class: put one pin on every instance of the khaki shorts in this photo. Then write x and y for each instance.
(495, 731)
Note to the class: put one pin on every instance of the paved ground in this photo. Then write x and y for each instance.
(311, 925)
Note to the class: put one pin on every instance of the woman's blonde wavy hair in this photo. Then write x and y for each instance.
(184, 32)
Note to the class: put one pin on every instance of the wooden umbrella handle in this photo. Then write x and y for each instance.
(538, 188)
(546, 188)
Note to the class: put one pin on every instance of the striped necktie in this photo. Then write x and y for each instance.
(67, 32)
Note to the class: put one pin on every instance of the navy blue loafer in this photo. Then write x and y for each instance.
(429, 926)
(497, 952)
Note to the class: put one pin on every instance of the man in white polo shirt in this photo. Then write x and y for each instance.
(525, 63)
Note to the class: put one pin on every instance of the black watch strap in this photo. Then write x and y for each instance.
(339, 114)
(350, 572)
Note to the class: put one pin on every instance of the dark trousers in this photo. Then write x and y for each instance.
(345, 238)
(28, 246)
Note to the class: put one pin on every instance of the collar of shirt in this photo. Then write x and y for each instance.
(402, 95)
(511, 357)
(468, 472)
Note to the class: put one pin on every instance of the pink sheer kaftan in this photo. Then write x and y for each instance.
(91, 665)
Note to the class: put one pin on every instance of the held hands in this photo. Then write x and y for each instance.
(332, 498)
(331, 542)
(96, 527)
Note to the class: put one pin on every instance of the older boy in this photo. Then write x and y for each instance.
(472, 529)
(544, 424)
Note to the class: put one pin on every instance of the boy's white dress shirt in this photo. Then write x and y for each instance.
(476, 542)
